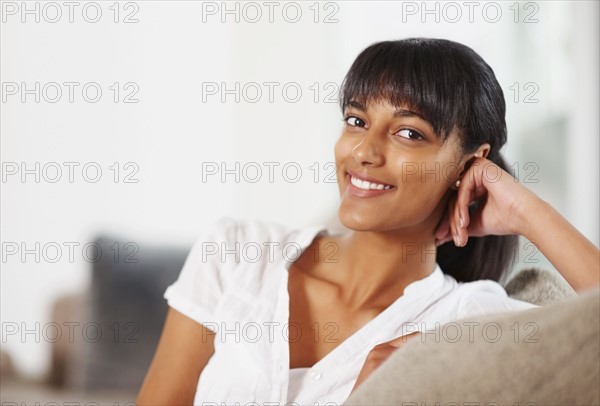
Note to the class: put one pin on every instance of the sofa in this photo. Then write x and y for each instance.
(125, 302)
(543, 356)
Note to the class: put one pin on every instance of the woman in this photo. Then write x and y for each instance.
(419, 172)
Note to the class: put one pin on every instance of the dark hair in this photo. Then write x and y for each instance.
(452, 87)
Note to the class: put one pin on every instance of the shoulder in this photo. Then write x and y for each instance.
(247, 252)
(235, 229)
(231, 258)
(486, 297)
(252, 241)
(470, 299)
(230, 238)
(252, 230)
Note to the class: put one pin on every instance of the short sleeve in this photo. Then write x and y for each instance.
(203, 279)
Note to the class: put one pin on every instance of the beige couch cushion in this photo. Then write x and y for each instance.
(544, 356)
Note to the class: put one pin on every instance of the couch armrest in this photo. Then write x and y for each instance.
(539, 286)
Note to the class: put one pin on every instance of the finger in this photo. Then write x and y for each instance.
(444, 233)
(442, 230)
(400, 341)
(374, 359)
(459, 233)
(464, 196)
(453, 220)
(444, 240)
(379, 354)
(472, 189)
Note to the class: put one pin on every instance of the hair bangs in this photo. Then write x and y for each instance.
(412, 74)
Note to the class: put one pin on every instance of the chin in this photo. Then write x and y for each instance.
(356, 222)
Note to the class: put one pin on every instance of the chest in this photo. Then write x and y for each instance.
(318, 321)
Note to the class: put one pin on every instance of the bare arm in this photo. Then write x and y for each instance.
(573, 255)
(184, 348)
(511, 208)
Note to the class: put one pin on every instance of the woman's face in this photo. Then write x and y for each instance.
(409, 169)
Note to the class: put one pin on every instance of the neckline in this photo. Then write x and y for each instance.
(418, 288)
(300, 369)
(381, 322)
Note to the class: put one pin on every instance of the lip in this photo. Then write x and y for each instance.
(353, 190)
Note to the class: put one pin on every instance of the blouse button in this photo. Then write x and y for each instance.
(315, 375)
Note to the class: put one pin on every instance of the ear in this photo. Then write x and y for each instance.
(482, 151)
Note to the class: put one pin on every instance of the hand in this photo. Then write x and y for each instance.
(500, 212)
(378, 354)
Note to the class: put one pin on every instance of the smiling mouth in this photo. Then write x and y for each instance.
(366, 185)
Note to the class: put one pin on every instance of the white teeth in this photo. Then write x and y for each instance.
(363, 184)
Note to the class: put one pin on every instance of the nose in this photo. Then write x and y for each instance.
(369, 150)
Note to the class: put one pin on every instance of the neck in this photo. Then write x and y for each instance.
(378, 266)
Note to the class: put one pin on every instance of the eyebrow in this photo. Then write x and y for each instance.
(397, 112)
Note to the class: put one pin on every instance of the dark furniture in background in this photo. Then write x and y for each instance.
(121, 316)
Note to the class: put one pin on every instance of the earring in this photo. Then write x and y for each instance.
(457, 184)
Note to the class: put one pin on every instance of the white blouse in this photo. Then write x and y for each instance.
(296, 382)
(235, 281)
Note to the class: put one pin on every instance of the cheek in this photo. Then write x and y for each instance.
(342, 150)
(341, 153)
(423, 180)
(447, 168)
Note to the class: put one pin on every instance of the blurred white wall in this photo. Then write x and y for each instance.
(177, 60)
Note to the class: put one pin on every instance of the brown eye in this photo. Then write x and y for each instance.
(354, 121)
(410, 134)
